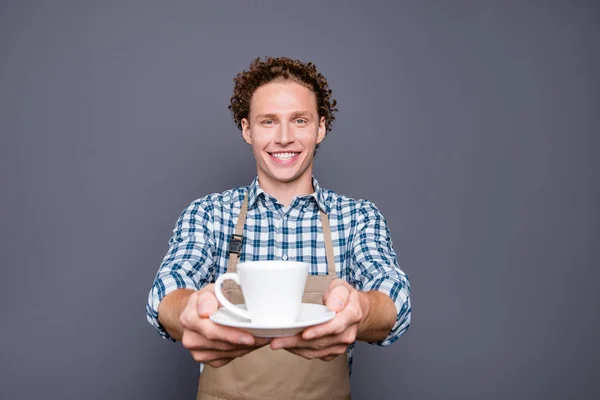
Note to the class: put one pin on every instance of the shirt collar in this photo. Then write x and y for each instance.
(254, 190)
(319, 195)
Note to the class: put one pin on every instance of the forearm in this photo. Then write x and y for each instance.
(170, 309)
(379, 316)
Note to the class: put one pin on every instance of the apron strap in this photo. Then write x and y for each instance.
(235, 243)
(328, 245)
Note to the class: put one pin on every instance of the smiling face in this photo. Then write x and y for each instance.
(284, 129)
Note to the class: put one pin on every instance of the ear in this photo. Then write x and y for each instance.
(246, 132)
(322, 130)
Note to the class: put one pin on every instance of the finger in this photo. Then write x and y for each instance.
(212, 331)
(194, 341)
(295, 342)
(260, 342)
(343, 320)
(220, 363)
(206, 356)
(337, 298)
(207, 288)
(286, 342)
(209, 345)
(335, 326)
(206, 303)
(191, 321)
(312, 354)
(333, 284)
(346, 337)
(298, 341)
(224, 361)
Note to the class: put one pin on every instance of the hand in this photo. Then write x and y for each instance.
(208, 342)
(327, 341)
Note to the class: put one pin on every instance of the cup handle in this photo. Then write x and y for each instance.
(226, 303)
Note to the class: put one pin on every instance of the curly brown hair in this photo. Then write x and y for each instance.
(280, 69)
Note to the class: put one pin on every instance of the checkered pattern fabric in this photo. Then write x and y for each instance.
(362, 245)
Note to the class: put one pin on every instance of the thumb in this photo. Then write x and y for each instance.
(338, 298)
(206, 303)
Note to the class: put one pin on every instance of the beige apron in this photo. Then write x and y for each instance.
(277, 374)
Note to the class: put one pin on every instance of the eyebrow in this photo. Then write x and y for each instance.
(298, 114)
(268, 116)
(295, 114)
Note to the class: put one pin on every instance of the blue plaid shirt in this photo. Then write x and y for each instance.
(362, 245)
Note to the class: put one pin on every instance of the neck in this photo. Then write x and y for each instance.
(285, 192)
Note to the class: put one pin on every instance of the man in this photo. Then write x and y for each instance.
(284, 109)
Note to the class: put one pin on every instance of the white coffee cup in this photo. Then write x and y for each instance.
(272, 290)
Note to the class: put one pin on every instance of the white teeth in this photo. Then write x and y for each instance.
(284, 156)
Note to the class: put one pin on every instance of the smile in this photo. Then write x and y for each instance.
(285, 157)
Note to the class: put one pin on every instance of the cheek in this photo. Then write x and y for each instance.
(309, 139)
(263, 136)
(258, 140)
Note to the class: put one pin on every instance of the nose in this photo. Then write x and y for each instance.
(284, 135)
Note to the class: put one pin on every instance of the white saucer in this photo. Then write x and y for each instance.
(309, 315)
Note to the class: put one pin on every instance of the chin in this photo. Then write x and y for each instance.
(285, 178)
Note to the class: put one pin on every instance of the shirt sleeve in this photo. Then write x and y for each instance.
(188, 263)
(375, 267)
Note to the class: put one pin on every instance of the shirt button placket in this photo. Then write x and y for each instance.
(284, 255)
(278, 237)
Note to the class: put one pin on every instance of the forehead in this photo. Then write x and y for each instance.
(282, 97)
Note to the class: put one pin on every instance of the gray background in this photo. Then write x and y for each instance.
(473, 125)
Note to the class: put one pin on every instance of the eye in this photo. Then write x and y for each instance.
(268, 122)
(301, 121)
